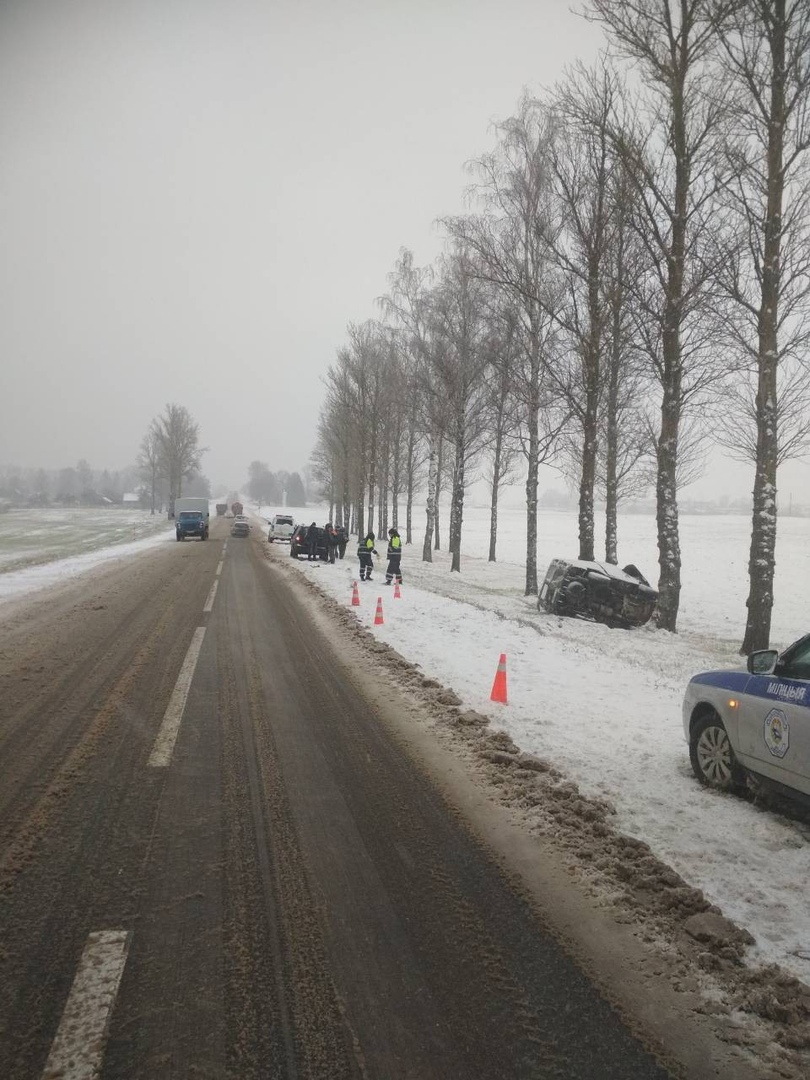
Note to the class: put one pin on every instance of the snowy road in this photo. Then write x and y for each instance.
(218, 858)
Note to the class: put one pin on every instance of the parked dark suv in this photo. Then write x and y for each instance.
(299, 542)
(597, 591)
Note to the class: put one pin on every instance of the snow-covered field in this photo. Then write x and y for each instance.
(603, 705)
(42, 547)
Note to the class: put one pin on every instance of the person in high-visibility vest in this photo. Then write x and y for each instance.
(365, 549)
(394, 554)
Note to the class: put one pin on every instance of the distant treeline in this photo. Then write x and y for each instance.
(82, 485)
(282, 488)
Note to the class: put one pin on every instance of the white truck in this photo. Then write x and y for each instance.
(191, 518)
(282, 527)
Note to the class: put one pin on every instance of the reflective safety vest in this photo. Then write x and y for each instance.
(395, 545)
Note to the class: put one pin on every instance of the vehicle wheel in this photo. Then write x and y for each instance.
(712, 756)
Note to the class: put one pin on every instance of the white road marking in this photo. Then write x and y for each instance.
(219, 568)
(167, 736)
(78, 1048)
(209, 603)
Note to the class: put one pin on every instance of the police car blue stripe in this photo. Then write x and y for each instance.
(726, 680)
(768, 687)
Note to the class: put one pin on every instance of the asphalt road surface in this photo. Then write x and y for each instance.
(202, 810)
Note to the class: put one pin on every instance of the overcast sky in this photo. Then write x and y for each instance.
(196, 197)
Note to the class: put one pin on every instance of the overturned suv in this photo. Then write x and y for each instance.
(598, 591)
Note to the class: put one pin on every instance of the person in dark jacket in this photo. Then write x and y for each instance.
(312, 543)
(330, 536)
(394, 554)
(342, 538)
(365, 549)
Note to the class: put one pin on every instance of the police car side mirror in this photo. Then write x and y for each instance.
(763, 661)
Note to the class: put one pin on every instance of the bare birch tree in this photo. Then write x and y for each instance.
(501, 415)
(766, 60)
(671, 156)
(584, 163)
(457, 368)
(409, 304)
(511, 239)
(149, 463)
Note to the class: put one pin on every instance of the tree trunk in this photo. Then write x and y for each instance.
(410, 478)
(762, 558)
(611, 492)
(612, 454)
(612, 406)
(372, 480)
(346, 518)
(430, 504)
(382, 494)
(533, 471)
(437, 543)
(493, 506)
(457, 508)
(590, 431)
(382, 509)
(587, 481)
(409, 511)
(669, 549)
(360, 514)
(396, 482)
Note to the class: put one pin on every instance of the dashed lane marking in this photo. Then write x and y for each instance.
(78, 1048)
(219, 568)
(209, 603)
(167, 736)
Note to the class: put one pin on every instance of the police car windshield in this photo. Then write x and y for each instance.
(795, 664)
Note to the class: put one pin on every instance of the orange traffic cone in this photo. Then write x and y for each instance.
(378, 616)
(355, 595)
(499, 686)
(397, 593)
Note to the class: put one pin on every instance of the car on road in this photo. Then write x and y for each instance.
(598, 591)
(240, 528)
(750, 727)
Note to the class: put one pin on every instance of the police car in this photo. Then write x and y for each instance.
(752, 727)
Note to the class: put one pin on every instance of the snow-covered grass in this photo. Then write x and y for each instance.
(29, 537)
(43, 547)
(604, 705)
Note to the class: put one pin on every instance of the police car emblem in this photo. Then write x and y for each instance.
(777, 733)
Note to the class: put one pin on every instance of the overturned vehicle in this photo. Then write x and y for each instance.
(598, 591)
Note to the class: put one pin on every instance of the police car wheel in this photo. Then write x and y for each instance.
(712, 756)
